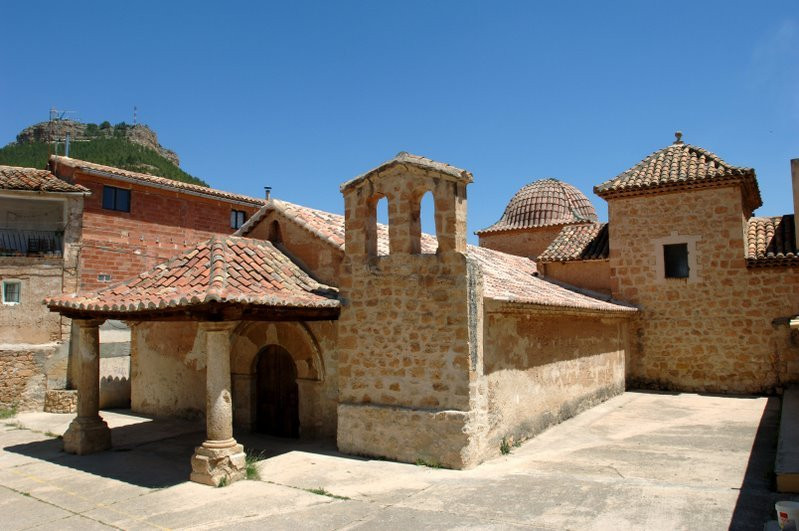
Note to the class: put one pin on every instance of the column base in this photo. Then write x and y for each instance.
(218, 463)
(87, 435)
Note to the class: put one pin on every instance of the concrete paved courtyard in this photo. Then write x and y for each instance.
(638, 461)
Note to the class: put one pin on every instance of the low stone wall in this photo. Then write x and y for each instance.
(435, 438)
(61, 401)
(23, 379)
(543, 368)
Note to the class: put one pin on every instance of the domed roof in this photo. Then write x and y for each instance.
(542, 203)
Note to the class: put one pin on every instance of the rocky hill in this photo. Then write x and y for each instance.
(130, 147)
(56, 130)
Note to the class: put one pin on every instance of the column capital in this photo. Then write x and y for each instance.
(218, 326)
(88, 323)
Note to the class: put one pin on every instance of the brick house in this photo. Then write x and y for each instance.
(398, 344)
(716, 286)
(133, 221)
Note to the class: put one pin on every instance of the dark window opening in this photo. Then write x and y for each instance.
(116, 199)
(675, 260)
(237, 218)
(274, 233)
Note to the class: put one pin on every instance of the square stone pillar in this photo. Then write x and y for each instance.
(87, 433)
(220, 458)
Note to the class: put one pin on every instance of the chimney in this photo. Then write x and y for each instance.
(268, 191)
(795, 182)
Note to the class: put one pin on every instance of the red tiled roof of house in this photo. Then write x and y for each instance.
(33, 180)
(543, 203)
(225, 269)
(506, 277)
(404, 158)
(513, 278)
(152, 180)
(770, 241)
(578, 242)
(680, 166)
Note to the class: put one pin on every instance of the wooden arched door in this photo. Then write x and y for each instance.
(277, 394)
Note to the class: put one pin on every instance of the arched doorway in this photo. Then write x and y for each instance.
(277, 395)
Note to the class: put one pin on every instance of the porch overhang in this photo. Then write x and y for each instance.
(212, 312)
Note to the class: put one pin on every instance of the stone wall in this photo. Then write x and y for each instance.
(589, 274)
(527, 242)
(30, 321)
(167, 369)
(23, 375)
(713, 332)
(542, 368)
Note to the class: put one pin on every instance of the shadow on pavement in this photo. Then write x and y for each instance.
(157, 453)
(151, 454)
(755, 504)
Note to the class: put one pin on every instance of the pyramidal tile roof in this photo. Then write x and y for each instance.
(543, 203)
(680, 166)
(578, 242)
(33, 180)
(770, 241)
(223, 270)
(152, 180)
(506, 277)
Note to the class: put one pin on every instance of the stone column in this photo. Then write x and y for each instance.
(87, 433)
(220, 459)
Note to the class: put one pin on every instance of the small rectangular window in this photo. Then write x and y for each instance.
(237, 218)
(116, 199)
(675, 260)
(12, 291)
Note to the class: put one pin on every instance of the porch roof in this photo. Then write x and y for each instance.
(224, 278)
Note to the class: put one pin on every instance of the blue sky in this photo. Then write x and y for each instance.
(302, 96)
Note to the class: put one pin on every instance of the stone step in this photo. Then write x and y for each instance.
(786, 466)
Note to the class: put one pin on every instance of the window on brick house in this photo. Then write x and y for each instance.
(237, 218)
(12, 291)
(116, 198)
(675, 260)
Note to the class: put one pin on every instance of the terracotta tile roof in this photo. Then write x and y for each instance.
(221, 270)
(403, 158)
(506, 277)
(543, 203)
(578, 242)
(512, 278)
(33, 180)
(152, 180)
(770, 242)
(680, 166)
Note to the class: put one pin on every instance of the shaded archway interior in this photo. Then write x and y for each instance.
(277, 393)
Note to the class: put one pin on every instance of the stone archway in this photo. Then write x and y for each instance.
(249, 340)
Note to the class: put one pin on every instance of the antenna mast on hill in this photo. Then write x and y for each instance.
(55, 114)
(134, 114)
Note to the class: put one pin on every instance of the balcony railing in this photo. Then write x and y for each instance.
(16, 242)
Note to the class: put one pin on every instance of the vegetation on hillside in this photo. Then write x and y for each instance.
(112, 151)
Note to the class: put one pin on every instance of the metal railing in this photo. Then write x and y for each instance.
(17, 242)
